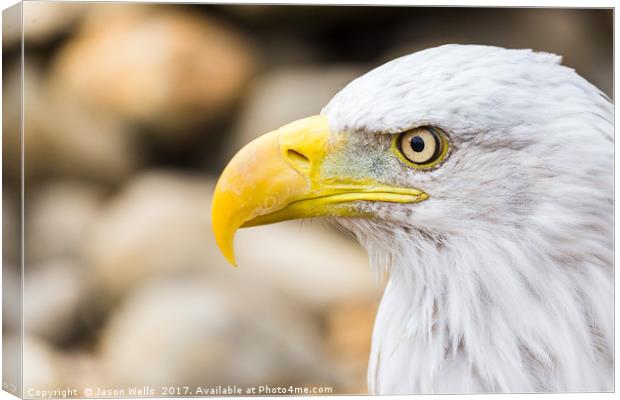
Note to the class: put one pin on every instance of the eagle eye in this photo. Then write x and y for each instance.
(422, 147)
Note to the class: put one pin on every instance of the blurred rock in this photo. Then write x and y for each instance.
(40, 365)
(58, 215)
(284, 95)
(11, 28)
(194, 331)
(62, 137)
(44, 21)
(299, 257)
(11, 359)
(578, 35)
(327, 273)
(349, 333)
(159, 224)
(11, 233)
(11, 297)
(80, 370)
(52, 296)
(46, 367)
(312, 18)
(11, 120)
(157, 65)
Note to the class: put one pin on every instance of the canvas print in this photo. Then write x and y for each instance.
(245, 200)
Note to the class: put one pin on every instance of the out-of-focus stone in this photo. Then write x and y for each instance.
(40, 365)
(163, 67)
(308, 262)
(309, 18)
(194, 331)
(11, 358)
(44, 21)
(11, 234)
(80, 370)
(61, 136)
(59, 213)
(11, 297)
(159, 224)
(287, 94)
(53, 292)
(349, 327)
(571, 33)
(11, 119)
(47, 368)
(11, 29)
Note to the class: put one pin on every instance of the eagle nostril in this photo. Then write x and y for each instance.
(298, 160)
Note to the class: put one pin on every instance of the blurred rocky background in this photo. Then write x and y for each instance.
(131, 111)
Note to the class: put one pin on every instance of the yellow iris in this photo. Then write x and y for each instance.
(421, 148)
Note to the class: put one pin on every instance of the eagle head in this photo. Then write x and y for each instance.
(480, 179)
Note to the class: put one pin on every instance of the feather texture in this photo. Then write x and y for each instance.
(503, 280)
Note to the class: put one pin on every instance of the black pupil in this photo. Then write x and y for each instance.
(417, 144)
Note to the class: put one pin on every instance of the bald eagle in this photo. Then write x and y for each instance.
(480, 179)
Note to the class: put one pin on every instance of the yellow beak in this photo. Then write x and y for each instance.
(278, 177)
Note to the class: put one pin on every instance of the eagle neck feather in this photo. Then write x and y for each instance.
(487, 313)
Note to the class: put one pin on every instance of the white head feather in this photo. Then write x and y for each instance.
(502, 280)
